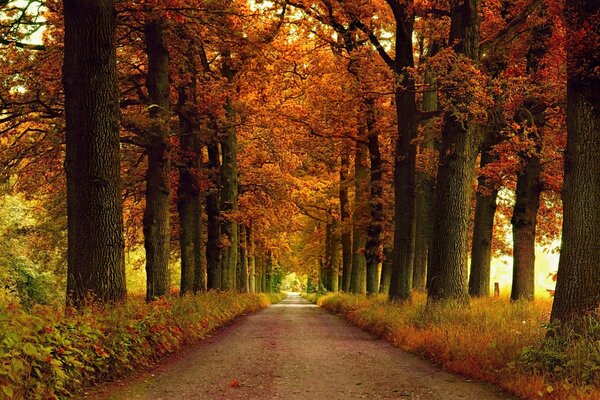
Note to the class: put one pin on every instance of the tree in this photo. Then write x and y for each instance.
(578, 280)
(459, 147)
(95, 222)
(156, 214)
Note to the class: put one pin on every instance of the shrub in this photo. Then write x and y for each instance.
(50, 354)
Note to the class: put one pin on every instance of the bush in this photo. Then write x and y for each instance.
(493, 340)
(50, 354)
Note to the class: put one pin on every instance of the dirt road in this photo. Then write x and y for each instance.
(294, 350)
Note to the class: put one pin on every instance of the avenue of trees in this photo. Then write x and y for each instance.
(380, 146)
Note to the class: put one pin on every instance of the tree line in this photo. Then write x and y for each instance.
(367, 119)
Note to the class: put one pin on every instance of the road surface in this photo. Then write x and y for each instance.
(295, 350)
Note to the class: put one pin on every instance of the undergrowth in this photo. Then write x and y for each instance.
(493, 340)
(49, 353)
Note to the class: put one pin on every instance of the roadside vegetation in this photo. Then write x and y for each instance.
(492, 340)
(50, 353)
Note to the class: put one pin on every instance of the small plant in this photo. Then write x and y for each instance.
(48, 353)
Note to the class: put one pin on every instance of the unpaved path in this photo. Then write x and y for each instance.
(295, 350)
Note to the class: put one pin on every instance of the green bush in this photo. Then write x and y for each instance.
(49, 354)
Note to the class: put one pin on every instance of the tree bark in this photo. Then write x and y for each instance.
(386, 271)
(199, 249)
(345, 221)
(529, 182)
(251, 260)
(95, 254)
(524, 221)
(334, 255)
(269, 272)
(449, 248)
(578, 282)
(326, 257)
(404, 167)
(483, 230)
(156, 214)
(358, 273)
(373, 244)
(425, 189)
(187, 193)
(229, 190)
(213, 230)
(242, 283)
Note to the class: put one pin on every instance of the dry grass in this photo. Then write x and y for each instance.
(492, 340)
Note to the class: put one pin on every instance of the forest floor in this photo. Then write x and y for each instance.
(295, 350)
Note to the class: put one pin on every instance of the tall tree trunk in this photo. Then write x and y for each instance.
(251, 260)
(228, 204)
(269, 272)
(386, 271)
(229, 188)
(529, 183)
(243, 261)
(345, 221)
(372, 246)
(358, 273)
(404, 163)
(213, 230)
(425, 188)
(263, 274)
(258, 260)
(326, 258)
(524, 221)
(404, 193)
(404, 175)
(334, 255)
(95, 254)
(199, 249)
(188, 196)
(449, 248)
(156, 213)
(483, 229)
(578, 283)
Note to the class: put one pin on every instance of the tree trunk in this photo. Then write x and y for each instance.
(529, 183)
(269, 272)
(326, 258)
(358, 273)
(524, 220)
(483, 230)
(425, 189)
(449, 248)
(243, 262)
(386, 271)
(156, 213)
(229, 189)
(251, 260)
(578, 282)
(199, 249)
(187, 193)
(345, 220)
(372, 246)
(213, 230)
(334, 255)
(95, 254)
(405, 154)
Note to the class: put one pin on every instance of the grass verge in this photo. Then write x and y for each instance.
(47, 353)
(492, 340)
